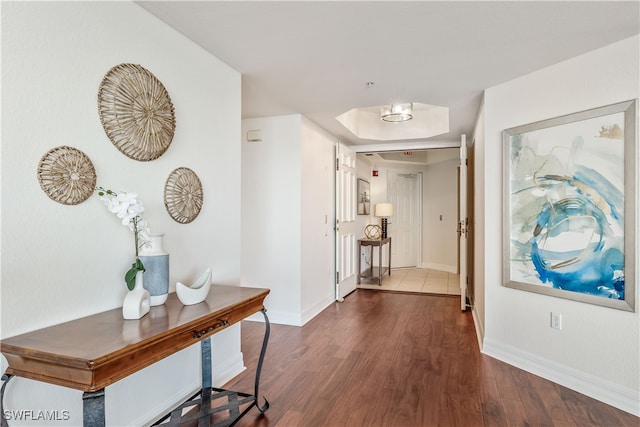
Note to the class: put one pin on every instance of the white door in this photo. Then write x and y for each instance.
(404, 190)
(463, 222)
(346, 225)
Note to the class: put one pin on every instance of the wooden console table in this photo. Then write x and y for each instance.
(91, 353)
(376, 272)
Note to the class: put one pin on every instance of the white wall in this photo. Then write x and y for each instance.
(271, 197)
(439, 197)
(318, 218)
(288, 215)
(64, 262)
(478, 215)
(597, 351)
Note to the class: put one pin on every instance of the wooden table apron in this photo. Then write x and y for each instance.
(91, 353)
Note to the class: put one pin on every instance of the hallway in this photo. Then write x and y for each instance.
(420, 280)
(382, 359)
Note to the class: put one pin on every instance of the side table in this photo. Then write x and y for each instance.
(380, 270)
(90, 353)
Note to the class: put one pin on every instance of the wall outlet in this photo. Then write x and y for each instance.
(556, 321)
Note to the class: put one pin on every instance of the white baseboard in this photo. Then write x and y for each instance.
(453, 269)
(600, 389)
(165, 406)
(222, 373)
(278, 317)
(293, 319)
(479, 327)
(315, 309)
(225, 371)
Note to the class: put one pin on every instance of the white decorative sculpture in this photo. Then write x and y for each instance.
(137, 302)
(197, 292)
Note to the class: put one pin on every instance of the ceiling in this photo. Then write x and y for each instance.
(316, 58)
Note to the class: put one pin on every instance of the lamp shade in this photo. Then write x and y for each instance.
(384, 210)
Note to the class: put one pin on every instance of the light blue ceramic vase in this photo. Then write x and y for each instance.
(156, 265)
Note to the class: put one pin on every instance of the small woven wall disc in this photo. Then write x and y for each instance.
(183, 195)
(67, 175)
(136, 112)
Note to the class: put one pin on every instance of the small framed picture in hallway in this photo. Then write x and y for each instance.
(569, 206)
(364, 197)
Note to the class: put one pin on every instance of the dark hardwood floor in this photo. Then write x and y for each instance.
(401, 360)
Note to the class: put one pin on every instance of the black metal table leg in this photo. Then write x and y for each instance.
(263, 351)
(237, 403)
(205, 396)
(380, 264)
(205, 348)
(93, 414)
(5, 380)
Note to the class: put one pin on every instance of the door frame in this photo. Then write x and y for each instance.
(426, 146)
(463, 222)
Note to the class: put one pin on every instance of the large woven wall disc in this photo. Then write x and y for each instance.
(67, 175)
(183, 195)
(136, 112)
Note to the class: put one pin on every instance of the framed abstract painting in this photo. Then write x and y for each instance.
(570, 206)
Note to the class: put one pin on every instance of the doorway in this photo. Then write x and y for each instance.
(418, 280)
(434, 172)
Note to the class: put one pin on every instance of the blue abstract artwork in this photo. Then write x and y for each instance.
(566, 207)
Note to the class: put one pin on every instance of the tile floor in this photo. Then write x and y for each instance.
(416, 280)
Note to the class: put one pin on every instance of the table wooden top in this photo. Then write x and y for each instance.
(374, 242)
(95, 351)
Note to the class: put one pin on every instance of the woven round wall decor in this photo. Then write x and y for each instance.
(183, 195)
(136, 112)
(67, 175)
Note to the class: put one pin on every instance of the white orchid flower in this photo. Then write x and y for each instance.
(129, 209)
(143, 233)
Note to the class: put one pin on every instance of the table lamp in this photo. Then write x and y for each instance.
(384, 211)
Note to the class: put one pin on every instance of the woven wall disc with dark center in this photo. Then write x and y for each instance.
(67, 175)
(183, 195)
(136, 112)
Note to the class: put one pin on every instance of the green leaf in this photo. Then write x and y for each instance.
(130, 277)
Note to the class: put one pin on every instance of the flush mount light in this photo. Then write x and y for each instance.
(396, 113)
(366, 123)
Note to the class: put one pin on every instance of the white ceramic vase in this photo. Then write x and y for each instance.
(137, 302)
(156, 265)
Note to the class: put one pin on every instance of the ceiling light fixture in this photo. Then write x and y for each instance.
(396, 113)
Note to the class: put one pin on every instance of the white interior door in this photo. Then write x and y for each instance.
(346, 225)
(404, 190)
(463, 222)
